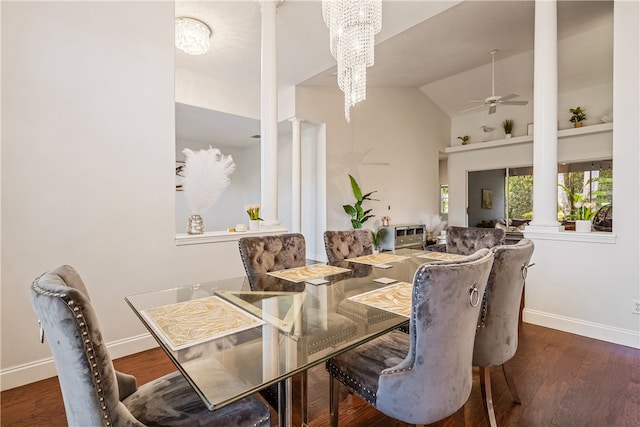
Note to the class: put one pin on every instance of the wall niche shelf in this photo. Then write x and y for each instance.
(563, 133)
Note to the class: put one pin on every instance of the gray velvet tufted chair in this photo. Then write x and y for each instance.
(423, 376)
(467, 240)
(94, 393)
(264, 254)
(497, 333)
(344, 244)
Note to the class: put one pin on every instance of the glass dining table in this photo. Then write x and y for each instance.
(234, 337)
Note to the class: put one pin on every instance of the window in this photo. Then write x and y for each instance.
(520, 194)
(579, 182)
(444, 201)
(584, 182)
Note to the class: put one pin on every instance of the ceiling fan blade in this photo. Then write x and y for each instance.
(515, 102)
(494, 99)
(473, 108)
(510, 96)
(477, 100)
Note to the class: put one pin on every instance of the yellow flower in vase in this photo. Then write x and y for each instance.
(254, 217)
(254, 212)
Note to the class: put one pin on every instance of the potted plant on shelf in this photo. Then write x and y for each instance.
(582, 212)
(464, 139)
(254, 217)
(356, 211)
(507, 125)
(376, 237)
(578, 115)
(585, 211)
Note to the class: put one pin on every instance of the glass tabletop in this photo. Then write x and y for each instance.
(233, 337)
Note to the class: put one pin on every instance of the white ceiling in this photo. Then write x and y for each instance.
(441, 47)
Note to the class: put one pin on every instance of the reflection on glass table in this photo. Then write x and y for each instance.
(294, 330)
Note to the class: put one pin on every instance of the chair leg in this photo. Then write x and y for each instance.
(284, 403)
(485, 388)
(304, 415)
(334, 400)
(511, 384)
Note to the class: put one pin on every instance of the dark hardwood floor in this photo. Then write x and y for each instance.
(563, 379)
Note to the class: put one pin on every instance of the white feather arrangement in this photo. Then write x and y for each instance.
(434, 224)
(206, 176)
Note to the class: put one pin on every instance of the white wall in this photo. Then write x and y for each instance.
(583, 287)
(391, 146)
(196, 89)
(87, 140)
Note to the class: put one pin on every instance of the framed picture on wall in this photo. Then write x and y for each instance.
(487, 199)
(179, 174)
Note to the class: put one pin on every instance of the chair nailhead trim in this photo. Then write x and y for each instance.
(88, 345)
(359, 386)
(329, 341)
(261, 421)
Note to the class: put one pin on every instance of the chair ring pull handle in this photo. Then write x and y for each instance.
(474, 296)
(525, 270)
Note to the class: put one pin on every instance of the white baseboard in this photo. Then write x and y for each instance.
(45, 368)
(626, 337)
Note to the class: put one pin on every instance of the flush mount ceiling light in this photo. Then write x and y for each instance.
(192, 36)
(352, 26)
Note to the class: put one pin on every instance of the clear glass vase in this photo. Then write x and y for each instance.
(195, 225)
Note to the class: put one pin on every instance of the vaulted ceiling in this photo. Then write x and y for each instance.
(441, 47)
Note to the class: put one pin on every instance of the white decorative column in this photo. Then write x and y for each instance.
(296, 176)
(545, 119)
(268, 113)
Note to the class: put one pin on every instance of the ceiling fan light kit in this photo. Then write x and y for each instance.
(493, 100)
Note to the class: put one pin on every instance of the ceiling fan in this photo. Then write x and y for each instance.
(494, 99)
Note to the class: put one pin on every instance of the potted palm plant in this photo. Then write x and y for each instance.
(578, 115)
(377, 236)
(507, 125)
(357, 213)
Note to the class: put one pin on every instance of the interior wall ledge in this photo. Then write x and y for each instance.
(224, 236)
(573, 236)
(564, 133)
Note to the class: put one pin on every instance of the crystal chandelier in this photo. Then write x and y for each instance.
(192, 36)
(352, 26)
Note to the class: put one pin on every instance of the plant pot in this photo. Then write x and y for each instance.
(583, 226)
(577, 124)
(508, 135)
(254, 225)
